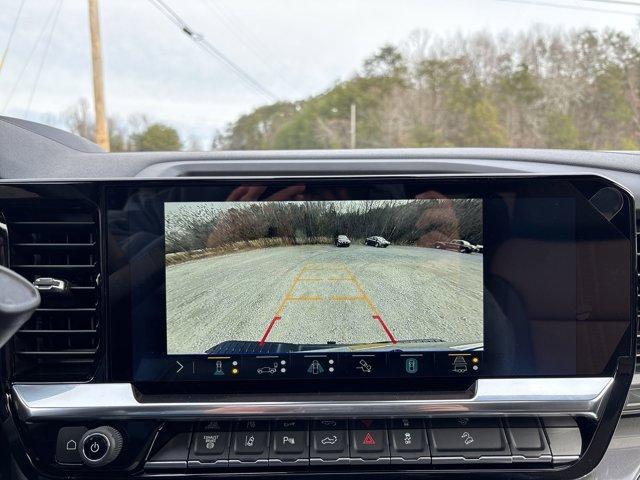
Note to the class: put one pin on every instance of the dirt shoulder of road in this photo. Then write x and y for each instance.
(182, 257)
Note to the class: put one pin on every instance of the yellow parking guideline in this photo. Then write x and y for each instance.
(330, 279)
(289, 292)
(346, 298)
(329, 267)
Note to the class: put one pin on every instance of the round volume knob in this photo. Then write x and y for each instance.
(100, 446)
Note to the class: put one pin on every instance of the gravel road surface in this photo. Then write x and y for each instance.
(321, 293)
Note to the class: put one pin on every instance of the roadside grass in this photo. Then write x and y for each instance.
(234, 247)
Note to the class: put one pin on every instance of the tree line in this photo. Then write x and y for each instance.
(136, 133)
(541, 88)
(302, 223)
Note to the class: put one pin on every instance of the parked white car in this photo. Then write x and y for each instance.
(342, 241)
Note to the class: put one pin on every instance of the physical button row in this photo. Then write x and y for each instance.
(400, 441)
(296, 442)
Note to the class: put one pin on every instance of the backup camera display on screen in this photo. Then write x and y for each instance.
(351, 276)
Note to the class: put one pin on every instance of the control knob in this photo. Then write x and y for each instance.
(100, 446)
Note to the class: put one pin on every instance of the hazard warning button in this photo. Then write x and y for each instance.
(369, 446)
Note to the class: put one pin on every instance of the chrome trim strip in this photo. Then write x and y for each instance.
(481, 459)
(330, 462)
(402, 460)
(297, 462)
(214, 464)
(364, 461)
(235, 462)
(109, 401)
(561, 459)
(544, 458)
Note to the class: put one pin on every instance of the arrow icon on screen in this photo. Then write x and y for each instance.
(181, 367)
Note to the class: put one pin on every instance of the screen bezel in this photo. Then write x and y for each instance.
(458, 186)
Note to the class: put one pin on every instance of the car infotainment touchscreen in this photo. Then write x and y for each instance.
(373, 280)
(317, 276)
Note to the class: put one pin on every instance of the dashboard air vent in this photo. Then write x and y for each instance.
(58, 249)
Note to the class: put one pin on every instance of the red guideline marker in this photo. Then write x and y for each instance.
(268, 330)
(384, 327)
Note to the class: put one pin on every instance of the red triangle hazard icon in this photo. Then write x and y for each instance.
(368, 439)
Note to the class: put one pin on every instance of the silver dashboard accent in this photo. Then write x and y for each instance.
(233, 462)
(329, 462)
(544, 458)
(297, 461)
(462, 460)
(489, 397)
(562, 459)
(374, 461)
(409, 461)
(199, 464)
(48, 284)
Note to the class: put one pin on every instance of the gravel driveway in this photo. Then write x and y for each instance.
(320, 293)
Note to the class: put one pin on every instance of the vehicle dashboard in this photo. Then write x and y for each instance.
(97, 367)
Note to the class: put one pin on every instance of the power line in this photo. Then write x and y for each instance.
(208, 47)
(252, 39)
(13, 30)
(229, 23)
(28, 60)
(250, 34)
(571, 7)
(44, 57)
(251, 42)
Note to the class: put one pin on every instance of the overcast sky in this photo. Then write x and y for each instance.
(294, 48)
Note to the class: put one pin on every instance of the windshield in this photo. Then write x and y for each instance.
(322, 74)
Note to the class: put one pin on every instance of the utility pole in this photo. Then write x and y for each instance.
(102, 132)
(353, 125)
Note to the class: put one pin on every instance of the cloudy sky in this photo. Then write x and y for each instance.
(293, 48)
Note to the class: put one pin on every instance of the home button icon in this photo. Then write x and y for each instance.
(67, 442)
